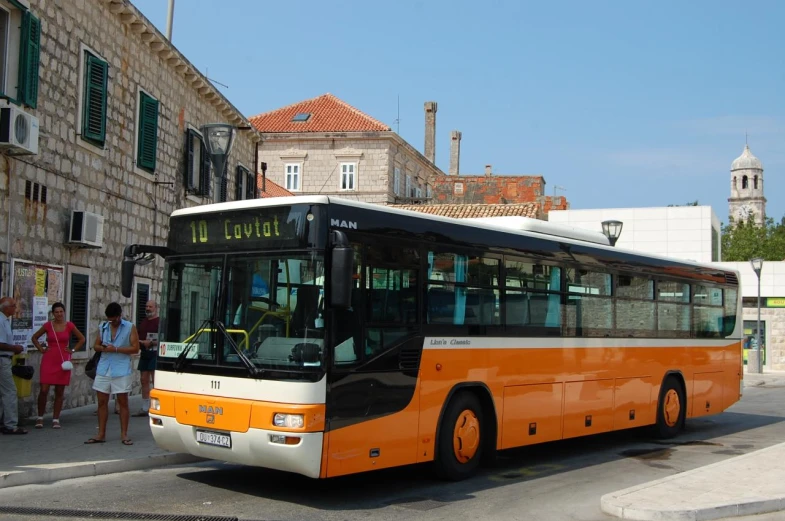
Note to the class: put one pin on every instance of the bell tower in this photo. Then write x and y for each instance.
(746, 189)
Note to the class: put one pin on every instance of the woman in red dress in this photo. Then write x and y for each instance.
(58, 337)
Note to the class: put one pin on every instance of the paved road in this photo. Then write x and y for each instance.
(557, 481)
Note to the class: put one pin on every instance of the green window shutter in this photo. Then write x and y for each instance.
(148, 133)
(94, 103)
(29, 59)
(224, 189)
(190, 175)
(80, 298)
(238, 183)
(206, 170)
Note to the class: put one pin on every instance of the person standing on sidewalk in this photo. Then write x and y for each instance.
(8, 400)
(58, 339)
(148, 356)
(117, 341)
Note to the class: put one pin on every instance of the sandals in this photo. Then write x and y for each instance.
(56, 424)
(18, 430)
(127, 441)
(92, 441)
(39, 422)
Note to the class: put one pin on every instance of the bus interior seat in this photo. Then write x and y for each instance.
(305, 310)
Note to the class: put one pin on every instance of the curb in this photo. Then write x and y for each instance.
(84, 470)
(612, 505)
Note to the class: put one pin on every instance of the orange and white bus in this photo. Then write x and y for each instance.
(327, 337)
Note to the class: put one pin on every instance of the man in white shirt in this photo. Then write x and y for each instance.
(8, 400)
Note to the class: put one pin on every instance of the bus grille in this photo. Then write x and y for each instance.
(409, 359)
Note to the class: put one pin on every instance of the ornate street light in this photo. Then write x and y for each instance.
(757, 267)
(612, 230)
(218, 140)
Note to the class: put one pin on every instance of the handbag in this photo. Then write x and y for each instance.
(92, 365)
(66, 365)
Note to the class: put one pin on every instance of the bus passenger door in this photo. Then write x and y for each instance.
(372, 409)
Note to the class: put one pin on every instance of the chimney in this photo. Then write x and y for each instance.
(488, 171)
(430, 131)
(455, 152)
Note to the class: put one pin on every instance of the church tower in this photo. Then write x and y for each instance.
(746, 189)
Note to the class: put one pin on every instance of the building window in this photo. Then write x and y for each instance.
(428, 192)
(745, 183)
(96, 76)
(197, 165)
(348, 171)
(20, 52)
(397, 181)
(78, 304)
(147, 132)
(458, 188)
(408, 187)
(292, 177)
(245, 186)
(141, 296)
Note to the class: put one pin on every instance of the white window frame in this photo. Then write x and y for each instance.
(70, 271)
(350, 175)
(408, 186)
(295, 175)
(13, 36)
(80, 103)
(397, 181)
(144, 173)
(134, 306)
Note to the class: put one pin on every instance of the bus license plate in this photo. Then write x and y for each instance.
(214, 438)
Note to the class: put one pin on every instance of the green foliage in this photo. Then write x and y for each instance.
(744, 241)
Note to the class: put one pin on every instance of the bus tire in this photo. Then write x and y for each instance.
(460, 443)
(671, 408)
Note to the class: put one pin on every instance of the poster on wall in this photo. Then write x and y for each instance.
(35, 288)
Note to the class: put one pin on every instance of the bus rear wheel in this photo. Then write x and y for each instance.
(671, 409)
(460, 440)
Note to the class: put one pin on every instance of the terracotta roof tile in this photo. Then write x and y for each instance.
(273, 189)
(468, 211)
(327, 114)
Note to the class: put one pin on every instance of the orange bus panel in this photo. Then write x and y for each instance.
(532, 414)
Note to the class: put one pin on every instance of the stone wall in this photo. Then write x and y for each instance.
(79, 176)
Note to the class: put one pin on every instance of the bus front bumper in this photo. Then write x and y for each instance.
(254, 447)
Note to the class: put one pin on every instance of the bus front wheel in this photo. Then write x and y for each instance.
(460, 438)
(671, 409)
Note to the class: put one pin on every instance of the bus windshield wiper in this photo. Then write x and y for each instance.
(252, 369)
(179, 364)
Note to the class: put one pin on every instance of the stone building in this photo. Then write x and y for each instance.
(325, 146)
(112, 112)
(746, 189)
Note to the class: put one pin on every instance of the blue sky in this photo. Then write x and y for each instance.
(624, 104)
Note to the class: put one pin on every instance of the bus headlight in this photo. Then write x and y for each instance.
(155, 404)
(290, 421)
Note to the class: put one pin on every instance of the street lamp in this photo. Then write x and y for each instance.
(612, 230)
(757, 266)
(218, 140)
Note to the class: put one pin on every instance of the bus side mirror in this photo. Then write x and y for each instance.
(341, 271)
(128, 276)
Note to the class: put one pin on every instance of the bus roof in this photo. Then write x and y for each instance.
(523, 226)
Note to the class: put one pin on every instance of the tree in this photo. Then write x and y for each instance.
(746, 240)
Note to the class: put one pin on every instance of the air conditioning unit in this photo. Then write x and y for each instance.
(87, 230)
(18, 131)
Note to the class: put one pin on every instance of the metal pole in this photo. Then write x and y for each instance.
(169, 20)
(757, 332)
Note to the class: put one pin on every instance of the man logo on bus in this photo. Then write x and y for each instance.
(352, 225)
(209, 409)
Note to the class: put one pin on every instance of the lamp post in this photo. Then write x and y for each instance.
(218, 140)
(757, 266)
(612, 230)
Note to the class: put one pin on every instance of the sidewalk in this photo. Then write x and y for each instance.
(47, 454)
(745, 485)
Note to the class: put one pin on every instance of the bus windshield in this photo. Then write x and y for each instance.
(235, 309)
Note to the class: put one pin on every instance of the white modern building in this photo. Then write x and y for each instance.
(685, 232)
